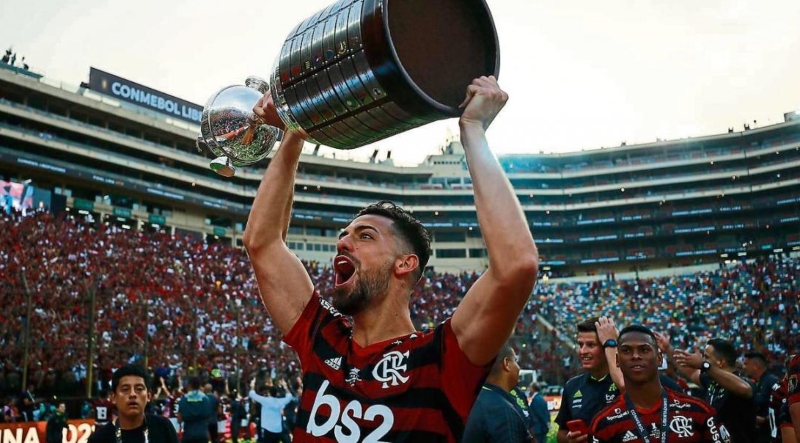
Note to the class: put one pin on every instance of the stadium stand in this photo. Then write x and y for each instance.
(177, 303)
(118, 244)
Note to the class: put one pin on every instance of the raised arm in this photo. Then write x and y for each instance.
(487, 314)
(163, 387)
(694, 361)
(607, 330)
(678, 359)
(282, 279)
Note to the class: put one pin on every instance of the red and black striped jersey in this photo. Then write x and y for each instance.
(416, 388)
(777, 399)
(793, 374)
(690, 420)
(173, 405)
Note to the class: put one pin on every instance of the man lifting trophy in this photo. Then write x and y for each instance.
(354, 73)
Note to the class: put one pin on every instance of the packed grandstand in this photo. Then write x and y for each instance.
(185, 306)
(118, 244)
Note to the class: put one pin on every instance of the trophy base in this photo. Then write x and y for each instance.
(223, 167)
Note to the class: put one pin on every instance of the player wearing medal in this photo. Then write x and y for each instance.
(648, 412)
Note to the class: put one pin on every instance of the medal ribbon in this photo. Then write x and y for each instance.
(640, 426)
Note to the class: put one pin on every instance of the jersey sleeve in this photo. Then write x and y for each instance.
(301, 336)
(461, 380)
(713, 431)
(598, 433)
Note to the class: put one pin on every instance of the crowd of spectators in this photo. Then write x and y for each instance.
(182, 306)
(753, 303)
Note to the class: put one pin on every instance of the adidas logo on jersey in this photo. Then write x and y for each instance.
(335, 363)
(628, 436)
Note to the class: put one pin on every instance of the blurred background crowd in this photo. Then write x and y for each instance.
(76, 296)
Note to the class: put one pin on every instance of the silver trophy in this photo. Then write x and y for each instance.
(357, 72)
(231, 130)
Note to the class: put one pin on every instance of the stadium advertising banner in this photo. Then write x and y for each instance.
(132, 92)
(34, 432)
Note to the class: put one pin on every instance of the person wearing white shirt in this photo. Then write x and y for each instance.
(271, 408)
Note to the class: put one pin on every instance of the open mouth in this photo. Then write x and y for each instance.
(637, 368)
(345, 269)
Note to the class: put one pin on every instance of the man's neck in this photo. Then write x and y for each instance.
(500, 383)
(128, 423)
(381, 322)
(598, 373)
(759, 374)
(644, 395)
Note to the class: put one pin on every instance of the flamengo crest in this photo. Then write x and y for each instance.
(682, 426)
(390, 368)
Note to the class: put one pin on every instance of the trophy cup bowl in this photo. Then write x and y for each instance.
(230, 129)
(357, 72)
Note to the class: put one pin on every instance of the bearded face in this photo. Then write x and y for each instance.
(361, 287)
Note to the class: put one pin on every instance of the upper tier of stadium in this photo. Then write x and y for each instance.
(672, 202)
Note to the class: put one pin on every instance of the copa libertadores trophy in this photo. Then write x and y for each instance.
(356, 72)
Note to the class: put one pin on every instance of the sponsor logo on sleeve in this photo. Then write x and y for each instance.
(327, 306)
(718, 433)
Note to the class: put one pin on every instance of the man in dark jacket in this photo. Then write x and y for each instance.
(56, 424)
(130, 394)
(195, 411)
(495, 417)
(539, 414)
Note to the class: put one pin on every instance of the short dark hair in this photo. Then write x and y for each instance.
(588, 325)
(724, 350)
(505, 352)
(640, 329)
(129, 371)
(406, 226)
(194, 383)
(273, 391)
(757, 357)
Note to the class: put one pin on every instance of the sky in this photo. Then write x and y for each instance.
(581, 74)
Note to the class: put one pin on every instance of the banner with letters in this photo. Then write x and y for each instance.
(34, 432)
(132, 92)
